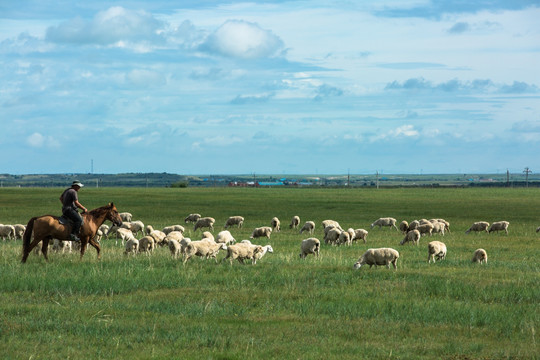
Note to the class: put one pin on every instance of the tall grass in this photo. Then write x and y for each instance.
(283, 307)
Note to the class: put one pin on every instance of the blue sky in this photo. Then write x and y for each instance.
(271, 87)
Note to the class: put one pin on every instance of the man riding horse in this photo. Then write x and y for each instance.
(70, 203)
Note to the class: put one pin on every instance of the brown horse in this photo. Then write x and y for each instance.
(47, 227)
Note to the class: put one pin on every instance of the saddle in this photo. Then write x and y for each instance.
(65, 221)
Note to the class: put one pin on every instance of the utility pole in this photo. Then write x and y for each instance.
(507, 178)
(527, 171)
(377, 179)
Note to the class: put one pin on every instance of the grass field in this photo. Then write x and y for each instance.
(284, 307)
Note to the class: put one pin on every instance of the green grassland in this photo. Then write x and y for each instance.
(284, 308)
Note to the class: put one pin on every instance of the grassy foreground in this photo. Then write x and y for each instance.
(155, 307)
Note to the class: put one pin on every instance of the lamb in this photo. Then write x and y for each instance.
(480, 255)
(360, 234)
(294, 222)
(259, 255)
(7, 231)
(309, 226)
(205, 222)
(436, 251)
(206, 248)
(175, 248)
(499, 226)
(171, 228)
(379, 256)
(131, 246)
(19, 230)
(478, 226)
(310, 246)
(333, 223)
(275, 224)
(147, 244)
(243, 251)
(192, 218)
(225, 237)
(404, 227)
(344, 238)
(124, 235)
(261, 232)
(332, 236)
(387, 221)
(61, 246)
(438, 228)
(413, 236)
(125, 216)
(426, 228)
(234, 220)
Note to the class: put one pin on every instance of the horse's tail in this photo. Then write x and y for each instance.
(27, 237)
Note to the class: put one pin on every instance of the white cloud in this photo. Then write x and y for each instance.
(38, 140)
(245, 40)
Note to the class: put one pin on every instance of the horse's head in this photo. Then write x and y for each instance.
(113, 215)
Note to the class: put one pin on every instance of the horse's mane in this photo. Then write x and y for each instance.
(97, 212)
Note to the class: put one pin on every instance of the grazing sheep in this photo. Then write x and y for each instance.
(159, 237)
(131, 246)
(225, 237)
(387, 221)
(104, 230)
(243, 251)
(404, 227)
(344, 238)
(176, 235)
(333, 223)
(98, 236)
(446, 224)
(332, 236)
(275, 224)
(426, 228)
(206, 248)
(61, 246)
(171, 228)
(294, 222)
(192, 218)
(310, 246)
(125, 216)
(499, 226)
(234, 220)
(19, 230)
(208, 235)
(205, 222)
(438, 228)
(261, 232)
(436, 251)
(478, 226)
(360, 234)
(124, 235)
(147, 244)
(7, 231)
(309, 226)
(424, 221)
(380, 256)
(259, 255)
(413, 236)
(538, 229)
(136, 226)
(175, 248)
(480, 255)
(414, 224)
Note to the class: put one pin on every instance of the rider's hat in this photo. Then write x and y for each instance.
(77, 183)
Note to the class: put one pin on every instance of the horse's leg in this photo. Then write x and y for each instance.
(97, 247)
(30, 247)
(45, 247)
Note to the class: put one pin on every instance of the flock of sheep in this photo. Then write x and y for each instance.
(209, 246)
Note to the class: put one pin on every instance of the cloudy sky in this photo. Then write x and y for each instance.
(305, 87)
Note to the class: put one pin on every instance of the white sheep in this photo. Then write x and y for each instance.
(309, 226)
(310, 246)
(7, 231)
(379, 256)
(259, 255)
(478, 226)
(175, 248)
(414, 224)
(344, 238)
(104, 230)
(159, 237)
(237, 221)
(480, 255)
(360, 234)
(125, 216)
(499, 226)
(438, 227)
(538, 229)
(242, 251)
(124, 235)
(206, 248)
(275, 224)
(184, 244)
(446, 224)
(404, 227)
(192, 218)
(295, 221)
(171, 228)
(136, 226)
(412, 236)
(332, 236)
(176, 235)
(426, 228)
(147, 244)
(62, 246)
(264, 231)
(131, 246)
(225, 237)
(208, 235)
(19, 230)
(436, 251)
(205, 222)
(333, 223)
(386, 221)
